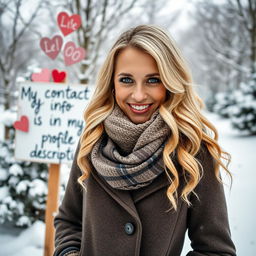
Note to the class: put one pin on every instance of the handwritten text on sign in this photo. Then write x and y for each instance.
(55, 114)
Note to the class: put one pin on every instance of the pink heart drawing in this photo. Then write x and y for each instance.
(51, 47)
(68, 24)
(43, 76)
(73, 54)
(22, 125)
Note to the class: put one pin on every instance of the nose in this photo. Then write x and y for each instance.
(139, 94)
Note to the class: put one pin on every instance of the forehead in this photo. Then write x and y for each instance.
(133, 59)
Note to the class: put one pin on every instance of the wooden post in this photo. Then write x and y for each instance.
(51, 208)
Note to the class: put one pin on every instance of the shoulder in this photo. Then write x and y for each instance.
(204, 157)
(203, 150)
(207, 167)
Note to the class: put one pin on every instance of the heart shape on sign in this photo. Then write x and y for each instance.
(43, 76)
(51, 47)
(58, 76)
(73, 54)
(68, 24)
(22, 125)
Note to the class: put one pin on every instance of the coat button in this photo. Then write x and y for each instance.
(129, 228)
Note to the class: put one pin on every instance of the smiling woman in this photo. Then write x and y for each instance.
(138, 88)
(147, 167)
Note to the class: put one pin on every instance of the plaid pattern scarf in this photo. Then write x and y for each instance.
(129, 156)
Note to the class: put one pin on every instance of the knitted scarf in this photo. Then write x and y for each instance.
(129, 156)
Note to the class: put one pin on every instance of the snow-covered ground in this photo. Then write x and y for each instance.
(240, 200)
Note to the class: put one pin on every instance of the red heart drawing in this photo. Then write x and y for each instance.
(58, 76)
(68, 24)
(43, 76)
(51, 47)
(73, 54)
(22, 124)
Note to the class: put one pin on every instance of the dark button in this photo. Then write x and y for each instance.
(129, 228)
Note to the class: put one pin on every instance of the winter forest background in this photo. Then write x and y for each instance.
(218, 39)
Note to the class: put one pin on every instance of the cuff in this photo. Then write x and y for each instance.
(68, 251)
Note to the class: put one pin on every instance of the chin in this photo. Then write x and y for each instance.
(139, 119)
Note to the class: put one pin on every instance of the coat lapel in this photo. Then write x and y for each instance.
(160, 182)
(122, 197)
(128, 199)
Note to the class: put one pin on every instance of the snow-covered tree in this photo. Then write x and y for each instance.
(239, 105)
(243, 110)
(221, 103)
(23, 187)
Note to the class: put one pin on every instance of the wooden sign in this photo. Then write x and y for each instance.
(50, 121)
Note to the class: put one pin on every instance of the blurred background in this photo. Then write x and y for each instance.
(218, 39)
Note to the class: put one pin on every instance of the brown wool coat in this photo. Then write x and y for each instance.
(96, 221)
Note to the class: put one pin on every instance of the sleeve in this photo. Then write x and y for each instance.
(68, 221)
(208, 225)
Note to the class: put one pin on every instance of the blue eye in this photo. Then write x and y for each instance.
(151, 80)
(125, 80)
(154, 80)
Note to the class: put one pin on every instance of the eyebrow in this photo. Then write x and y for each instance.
(127, 74)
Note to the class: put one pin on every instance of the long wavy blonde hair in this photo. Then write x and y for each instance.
(181, 111)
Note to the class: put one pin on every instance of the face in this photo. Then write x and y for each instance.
(138, 88)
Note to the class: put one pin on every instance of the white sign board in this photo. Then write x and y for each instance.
(54, 114)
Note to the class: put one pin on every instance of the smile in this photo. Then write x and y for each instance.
(139, 109)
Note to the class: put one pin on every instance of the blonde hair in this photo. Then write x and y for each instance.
(181, 111)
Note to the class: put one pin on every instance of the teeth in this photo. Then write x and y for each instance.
(139, 107)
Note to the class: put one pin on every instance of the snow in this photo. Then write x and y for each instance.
(4, 152)
(4, 192)
(22, 186)
(8, 117)
(27, 242)
(37, 187)
(3, 175)
(24, 220)
(15, 170)
(240, 200)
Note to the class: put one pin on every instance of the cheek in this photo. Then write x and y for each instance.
(118, 98)
(160, 94)
(120, 94)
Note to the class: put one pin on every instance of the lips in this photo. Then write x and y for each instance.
(140, 108)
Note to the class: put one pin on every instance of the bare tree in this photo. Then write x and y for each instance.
(15, 47)
(98, 19)
(223, 45)
(247, 14)
(159, 12)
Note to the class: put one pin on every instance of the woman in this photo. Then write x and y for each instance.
(147, 165)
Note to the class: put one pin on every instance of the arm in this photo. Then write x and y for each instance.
(208, 226)
(68, 221)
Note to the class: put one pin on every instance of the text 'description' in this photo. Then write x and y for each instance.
(55, 119)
